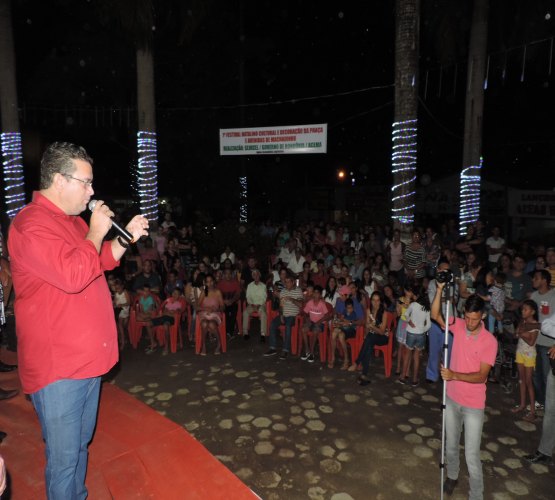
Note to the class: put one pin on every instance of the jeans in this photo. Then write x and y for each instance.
(436, 337)
(367, 349)
(547, 442)
(473, 419)
(543, 368)
(289, 322)
(67, 411)
(492, 322)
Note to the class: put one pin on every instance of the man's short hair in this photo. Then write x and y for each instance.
(58, 159)
(318, 288)
(545, 275)
(474, 303)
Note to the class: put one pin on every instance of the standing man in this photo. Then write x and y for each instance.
(544, 297)
(472, 356)
(65, 321)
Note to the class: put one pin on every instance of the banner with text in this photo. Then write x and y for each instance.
(292, 139)
(537, 204)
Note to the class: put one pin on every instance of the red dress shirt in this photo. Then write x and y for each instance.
(64, 318)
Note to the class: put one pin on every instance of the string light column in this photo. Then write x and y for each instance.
(469, 205)
(403, 162)
(14, 180)
(147, 174)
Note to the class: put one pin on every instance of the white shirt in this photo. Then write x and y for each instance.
(296, 266)
(419, 317)
(495, 244)
(230, 256)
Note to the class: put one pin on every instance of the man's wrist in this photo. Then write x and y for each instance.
(122, 243)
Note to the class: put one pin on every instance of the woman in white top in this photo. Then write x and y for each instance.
(122, 301)
(418, 323)
(331, 294)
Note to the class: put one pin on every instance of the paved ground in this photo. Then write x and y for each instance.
(293, 430)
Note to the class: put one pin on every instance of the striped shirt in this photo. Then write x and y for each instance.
(413, 258)
(289, 308)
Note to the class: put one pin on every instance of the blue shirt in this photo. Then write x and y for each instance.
(340, 308)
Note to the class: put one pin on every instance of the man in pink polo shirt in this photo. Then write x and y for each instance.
(472, 356)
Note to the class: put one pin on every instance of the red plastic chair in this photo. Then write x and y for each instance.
(255, 314)
(176, 336)
(135, 327)
(322, 338)
(221, 331)
(356, 343)
(387, 349)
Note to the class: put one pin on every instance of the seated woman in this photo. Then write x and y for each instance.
(344, 325)
(376, 335)
(172, 306)
(210, 305)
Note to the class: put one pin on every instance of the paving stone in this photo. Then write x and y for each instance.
(352, 398)
(264, 448)
(516, 488)
(340, 443)
(425, 431)
(307, 405)
(345, 456)
(325, 409)
(507, 440)
(229, 393)
(276, 396)
(316, 425)
(262, 422)
(297, 420)
(413, 438)
(136, 389)
(268, 479)
(244, 473)
(226, 423)
(316, 493)
(423, 452)
(311, 414)
(502, 472)
(242, 374)
(279, 427)
(416, 421)
(327, 451)
(312, 478)
(398, 400)
(286, 453)
(525, 426)
(330, 466)
(492, 446)
(404, 486)
(512, 463)
(404, 427)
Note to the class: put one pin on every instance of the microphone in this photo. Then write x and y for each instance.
(126, 235)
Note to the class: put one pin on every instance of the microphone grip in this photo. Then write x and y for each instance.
(126, 235)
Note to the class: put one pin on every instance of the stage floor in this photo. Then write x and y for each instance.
(136, 453)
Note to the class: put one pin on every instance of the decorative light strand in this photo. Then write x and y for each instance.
(147, 174)
(14, 180)
(469, 205)
(403, 159)
(243, 196)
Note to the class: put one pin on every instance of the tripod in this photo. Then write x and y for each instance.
(449, 292)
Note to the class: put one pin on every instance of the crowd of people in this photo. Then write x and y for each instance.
(326, 277)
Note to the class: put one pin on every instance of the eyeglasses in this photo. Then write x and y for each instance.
(85, 183)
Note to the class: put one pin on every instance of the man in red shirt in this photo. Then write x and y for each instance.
(472, 356)
(64, 319)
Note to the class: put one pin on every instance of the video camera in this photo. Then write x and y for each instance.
(445, 276)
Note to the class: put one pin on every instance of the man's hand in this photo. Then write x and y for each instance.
(138, 226)
(447, 374)
(99, 224)
(551, 352)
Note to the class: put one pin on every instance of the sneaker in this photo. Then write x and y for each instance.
(305, 356)
(539, 458)
(150, 350)
(283, 355)
(262, 339)
(246, 336)
(310, 358)
(415, 383)
(403, 381)
(537, 406)
(449, 486)
(270, 352)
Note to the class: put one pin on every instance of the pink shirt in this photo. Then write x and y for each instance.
(316, 311)
(468, 352)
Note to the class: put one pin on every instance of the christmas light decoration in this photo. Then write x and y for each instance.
(243, 195)
(14, 180)
(147, 174)
(469, 205)
(403, 159)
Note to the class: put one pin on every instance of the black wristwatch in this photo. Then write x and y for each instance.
(123, 243)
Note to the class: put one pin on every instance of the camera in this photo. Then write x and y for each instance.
(445, 276)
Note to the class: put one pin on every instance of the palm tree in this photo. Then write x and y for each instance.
(474, 108)
(407, 30)
(12, 155)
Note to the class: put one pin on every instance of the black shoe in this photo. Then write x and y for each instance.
(6, 368)
(270, 352)
(305, 356)
(449, 486)
(8, 394)
(310, 358)
(247, 336)
(283, 355)
(539, 458)
(3, 436)
(262, 339)
(430, 381)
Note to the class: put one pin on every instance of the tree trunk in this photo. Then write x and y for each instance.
(474, 109)
(146, 136)
(12, 156)
(407, 31)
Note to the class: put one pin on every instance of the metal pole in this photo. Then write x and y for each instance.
(449, 288)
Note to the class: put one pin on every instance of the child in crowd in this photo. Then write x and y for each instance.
(317, 312)
(122, 302)
(418, 323)
(527, 333)
(497, 303)
(401, 335)
(146, 310)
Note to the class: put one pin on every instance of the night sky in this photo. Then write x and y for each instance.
(305, 62)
